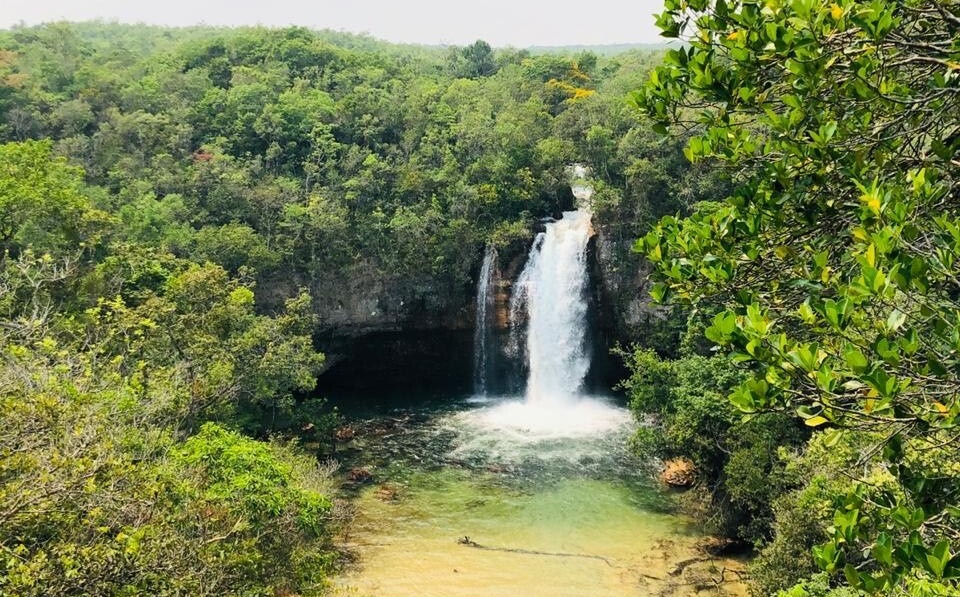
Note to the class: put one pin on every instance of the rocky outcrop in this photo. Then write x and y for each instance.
(385, 331)
(376, 328)
(630, 315)
(381, 332)
(363, 302)
(361, 299)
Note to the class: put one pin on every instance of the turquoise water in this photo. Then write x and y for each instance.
(463, 505)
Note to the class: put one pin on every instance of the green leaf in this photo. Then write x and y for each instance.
(852, 576)
(826, 556)
(883, 549)
(938, 558)
(743, 400)
(895, 320)
(856, 360)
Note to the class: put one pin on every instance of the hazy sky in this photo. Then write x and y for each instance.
(500, 22)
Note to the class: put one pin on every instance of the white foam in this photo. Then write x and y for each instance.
(553, 287)
(514, 430)
(528, 421)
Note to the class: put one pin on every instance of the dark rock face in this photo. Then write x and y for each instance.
(625, 286)
(361, 299)
(382, 332)
(367, 303)
(395, 334)
(398, 335)
(603, 335)
(623, 290)
(388, 361)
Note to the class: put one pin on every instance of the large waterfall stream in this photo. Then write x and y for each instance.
(550, 295)
(531, 494)
(553, 287)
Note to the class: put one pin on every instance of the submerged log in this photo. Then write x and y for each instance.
(468, 542)
(684, 564)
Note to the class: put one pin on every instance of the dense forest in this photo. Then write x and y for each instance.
(181, 210)
(171, 199)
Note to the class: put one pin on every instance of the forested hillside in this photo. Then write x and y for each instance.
(186, 215)
(182, 210)
(304, 158)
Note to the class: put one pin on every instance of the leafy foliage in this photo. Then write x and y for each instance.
(41, 201)
(736, 459)
(111, 357)
(99, 495)
(178, 209)
(835, 257)
(224, 145)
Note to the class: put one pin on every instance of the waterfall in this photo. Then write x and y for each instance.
(482, 349)
(553, 287)
(548, 332)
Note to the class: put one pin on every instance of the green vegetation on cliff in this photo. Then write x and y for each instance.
(288, 151)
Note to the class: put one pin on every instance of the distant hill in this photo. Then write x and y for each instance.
(147, 38)
(599, 49)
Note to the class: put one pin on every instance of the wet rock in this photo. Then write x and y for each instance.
(718, 546)
(679, 472)
(359, 475)
(710, 576)
(387, 492)
(344, 434)
(624, 277)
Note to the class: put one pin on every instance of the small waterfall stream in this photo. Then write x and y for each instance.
(483, 351)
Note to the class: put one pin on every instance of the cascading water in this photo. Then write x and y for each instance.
(549, 304)
(546, 473)
(553, 286)
(482, 349)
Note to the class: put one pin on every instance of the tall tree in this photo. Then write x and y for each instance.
(41, 201)
(474, 61)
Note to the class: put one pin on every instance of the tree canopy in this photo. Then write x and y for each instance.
(176, 208)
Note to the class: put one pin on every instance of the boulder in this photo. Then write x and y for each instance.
(679, 472)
